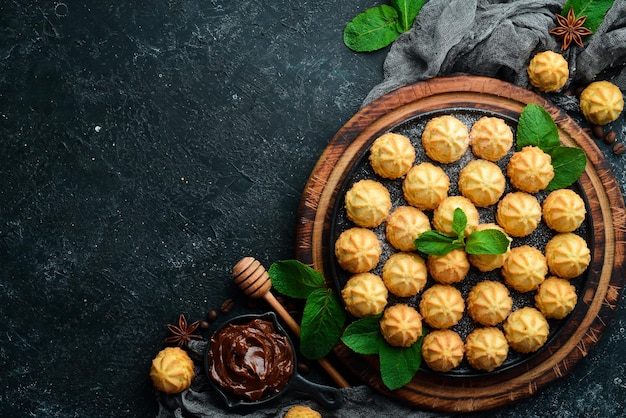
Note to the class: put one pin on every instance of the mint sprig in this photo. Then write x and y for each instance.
(487, 241)
(537, 128)
(323, 317)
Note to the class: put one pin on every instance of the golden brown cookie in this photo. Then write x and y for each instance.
(404, 225)
(530, 170)
(486, 348)
(364, 294)
(392, 155)
(443, 216)
(601, 102)
(301, 411)
(401, 325)
(448, 268)
(563, 210)
(526, 330)
(442, 350)
(357, 250)
(491, 138)
(489, 302)
(568, 255)
(445, 139)
(425, 186)
(482, 182)
(518, 214)
(548, 71)
(489, 262)
(525, 268)
(172, 370)
(405, 274)
(367, 203)
(442, 306)
(556, 298)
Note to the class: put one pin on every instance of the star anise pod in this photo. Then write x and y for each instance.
(570, 29)
(182, 333)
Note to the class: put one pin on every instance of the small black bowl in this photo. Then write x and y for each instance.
(328, 397)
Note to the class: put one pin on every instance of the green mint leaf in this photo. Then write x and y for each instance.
(435, 243)
(536, 127)
(459, 222)
(398, 365)
(569, 163)
(295, 279)
(373, 29)
(408, 10)
(595, 10)
(323, 318)
(487, 241)
(363, 336)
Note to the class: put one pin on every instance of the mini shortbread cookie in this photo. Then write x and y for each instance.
(489, 262)
(172, 370)
(443, 216)
(568, 255)
(358, 250)
(489, 302)
(301, 411)
(601, 102)
(491, 138)
(563, 210)
(486, 348)
(525, 268)
(425, 186)
(482, 182)
(405, 274)
(442, 306)
(404, 225)
(401, 325)
(392, 155)
(445, 139)
(442, 350)
(556, 298)
(364, 294)
(548, 71)
(530, 170)
(518, 214)
(449, 268)
(368, 203)
(526, 330)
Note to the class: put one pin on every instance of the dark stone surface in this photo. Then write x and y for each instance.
(145, 148)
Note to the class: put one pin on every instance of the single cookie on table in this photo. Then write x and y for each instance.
(556, 298)
(425, 186)
(449, 268)
(548, 71)
(601, 102)
(442, 350)
(358, 250)
(525, 268)
(568, 255)
(530, 170)
(172, 370)
(405, 274)
(491, 138)
(442, 306)
(443, 216)
(364, 294)
(486, 348)
(563, 210)
(367, 203)
(401, 325)
(404, 225)
(518, 213)
(445, 139)
(482, 182)
(392, 155)
(489, 262)
(301, 411)
(489, 302)
(526, 330)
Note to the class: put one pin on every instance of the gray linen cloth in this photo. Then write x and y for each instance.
(479, 37)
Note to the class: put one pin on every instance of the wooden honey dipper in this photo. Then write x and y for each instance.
(251, 277)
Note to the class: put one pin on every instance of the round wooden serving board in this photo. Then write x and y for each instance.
(598, 298)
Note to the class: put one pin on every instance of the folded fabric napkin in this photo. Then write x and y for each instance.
(497, 39)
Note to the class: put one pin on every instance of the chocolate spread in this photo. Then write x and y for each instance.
(251, 361)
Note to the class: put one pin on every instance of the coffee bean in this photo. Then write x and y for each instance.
(610, 137)
(588, 131)
(598, 131)
(303, 368)
(203, 325)
(227, 306)
(212, 315)
(619, 148)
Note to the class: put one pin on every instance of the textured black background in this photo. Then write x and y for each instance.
(145, 147)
